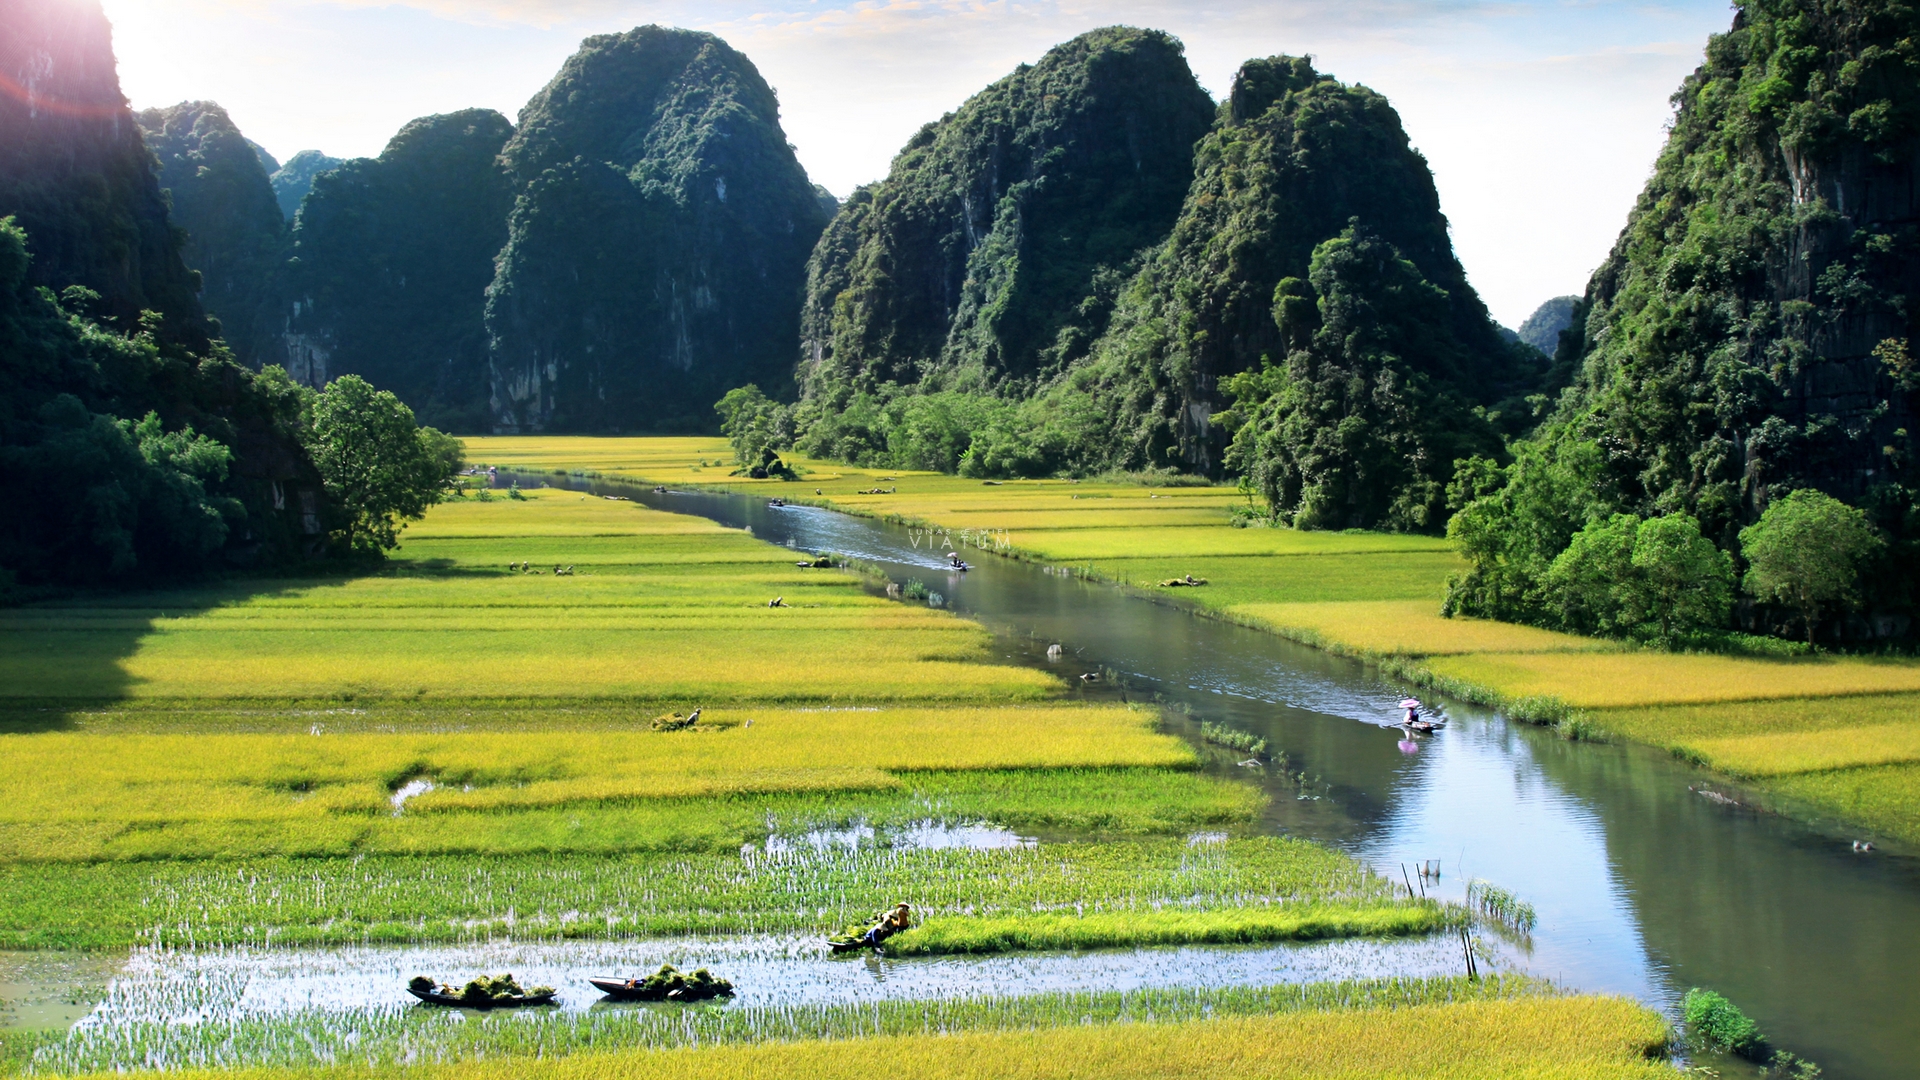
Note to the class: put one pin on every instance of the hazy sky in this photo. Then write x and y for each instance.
(1541, 118)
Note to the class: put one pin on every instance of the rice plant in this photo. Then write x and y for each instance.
(1500, 907)
(1233, 738)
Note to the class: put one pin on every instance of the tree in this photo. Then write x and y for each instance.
(379, 468)
(755, 424)
(1621, 573)
(1806, 552)
(1681, 579)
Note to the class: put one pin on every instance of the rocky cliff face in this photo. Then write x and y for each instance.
(219, 193)
(1751, 331)
(656, 250)
(76, 174)
(991, 254)
(391, 260)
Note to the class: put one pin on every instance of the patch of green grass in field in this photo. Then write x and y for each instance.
(1403, 628)
(1495, 1029)
(444, 898)
(1218, 926)
(1602, 680)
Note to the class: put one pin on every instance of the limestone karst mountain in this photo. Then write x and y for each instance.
(294, 178)
(390, 264)
(658, 242)
(75, 173)
(219, 193)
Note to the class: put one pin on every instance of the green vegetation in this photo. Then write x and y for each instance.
(1622, 574)
(1220, 926)
(104, 497)
(379, 469)
(218, 191)
(1806, 553)
(1721, 1025)
(1705, 347)
(1543, 328)
(372, 1040)
(655, 156)
(990, 258)
(392, 256)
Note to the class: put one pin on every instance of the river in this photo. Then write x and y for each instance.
(1643, 886)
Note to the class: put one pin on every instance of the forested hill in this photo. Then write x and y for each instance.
(220, 194)
(656, 159)
(1751, 332)
(991, 254)
(391, 261)
(76, 175)
(292, 180)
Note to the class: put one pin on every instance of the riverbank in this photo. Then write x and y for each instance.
(1820, 738)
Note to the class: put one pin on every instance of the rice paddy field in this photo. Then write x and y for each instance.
(468, 746)
(1823, 737)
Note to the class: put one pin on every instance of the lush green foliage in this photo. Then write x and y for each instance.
(392, 258)
(1721, 1025)
(1621, 574)
(1216, 926)
(990, 257)
(101, 498)
(1363, 424)
(1806, 553)
(655, 157)
(1747, 336)
(219, 193)
(379, 468)
(1309, 258)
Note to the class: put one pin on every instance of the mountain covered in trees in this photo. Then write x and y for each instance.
(1542, 328)
(1750, 334)
(219, 192)
(390, 265)
(1088, 263)
(991, 255)
(294, 178)
(658, 240)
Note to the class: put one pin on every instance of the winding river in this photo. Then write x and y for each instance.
(1643, 885)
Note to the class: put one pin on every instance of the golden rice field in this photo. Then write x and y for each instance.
(1544, 1038)
(1363, 594)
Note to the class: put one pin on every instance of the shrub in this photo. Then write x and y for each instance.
(1720, 1024)
(1806, 552)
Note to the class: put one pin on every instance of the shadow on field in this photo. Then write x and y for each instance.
(63, 660)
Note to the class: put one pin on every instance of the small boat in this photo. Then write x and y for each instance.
(776, 504)
(955, 562)
(437, 994)
(667, 984)
(842, 945)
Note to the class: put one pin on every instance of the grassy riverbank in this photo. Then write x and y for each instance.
(1822, 737)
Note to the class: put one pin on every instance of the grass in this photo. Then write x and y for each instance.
(291, 901)
(1600, 680)
(1402, 628)
(1218, 926)
(1350, 1031)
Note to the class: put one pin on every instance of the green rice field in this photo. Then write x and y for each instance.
(1829, 748)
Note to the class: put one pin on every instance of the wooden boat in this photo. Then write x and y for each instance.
(844, 945)
(668, 984)
(437, 997)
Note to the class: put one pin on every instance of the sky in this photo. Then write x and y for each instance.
(1541, 118)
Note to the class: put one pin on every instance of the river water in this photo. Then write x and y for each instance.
(1643, 886)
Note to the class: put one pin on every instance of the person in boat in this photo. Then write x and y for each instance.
(891, 923)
